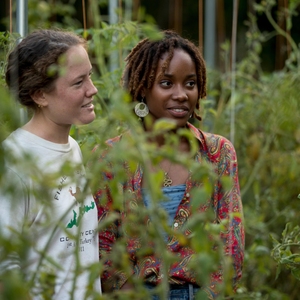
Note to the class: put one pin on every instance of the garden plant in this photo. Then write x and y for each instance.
(266, 110)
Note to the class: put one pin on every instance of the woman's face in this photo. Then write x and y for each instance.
(174, 94)
(70, 102)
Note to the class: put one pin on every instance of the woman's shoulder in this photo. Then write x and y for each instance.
(214, 138)
(103, 149)
(209, 139)
(114, 140)
(16, 143)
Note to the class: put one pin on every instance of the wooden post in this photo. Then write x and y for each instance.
(178, 16)
(200, 24)
(221, 36)
(283, 48)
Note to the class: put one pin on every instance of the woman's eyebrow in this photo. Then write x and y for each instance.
(172, 75)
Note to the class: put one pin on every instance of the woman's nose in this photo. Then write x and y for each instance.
(180, 93)
(92, 90)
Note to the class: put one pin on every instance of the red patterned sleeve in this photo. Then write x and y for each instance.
(228, 207)
(109, 228)
(109, 223)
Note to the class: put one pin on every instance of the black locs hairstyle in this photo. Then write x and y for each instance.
(142, 63)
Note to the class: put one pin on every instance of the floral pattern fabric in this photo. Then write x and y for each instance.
(226, 204)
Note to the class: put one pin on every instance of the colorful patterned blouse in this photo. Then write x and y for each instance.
(226, 205)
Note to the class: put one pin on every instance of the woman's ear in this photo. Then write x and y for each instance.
(39, 98)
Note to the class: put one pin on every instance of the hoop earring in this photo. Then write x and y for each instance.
(141, 109)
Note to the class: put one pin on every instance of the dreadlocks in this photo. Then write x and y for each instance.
(142, 63)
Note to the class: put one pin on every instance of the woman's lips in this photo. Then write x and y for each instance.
(88, 105)
(178, 112)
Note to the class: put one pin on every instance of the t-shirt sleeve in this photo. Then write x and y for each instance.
(14, 207)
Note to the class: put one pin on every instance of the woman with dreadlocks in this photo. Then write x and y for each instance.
(166, 78)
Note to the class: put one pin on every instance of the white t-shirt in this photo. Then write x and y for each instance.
(52, 207)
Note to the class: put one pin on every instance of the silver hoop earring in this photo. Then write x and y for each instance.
(141, 109)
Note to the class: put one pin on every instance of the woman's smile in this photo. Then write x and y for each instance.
(178, 112)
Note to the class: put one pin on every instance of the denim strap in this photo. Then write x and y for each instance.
(191, 292)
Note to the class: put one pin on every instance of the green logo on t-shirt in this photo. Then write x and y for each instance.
(82, 210)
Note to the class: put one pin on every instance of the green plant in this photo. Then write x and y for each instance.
(267, 139)
(287, 252)
(266, 110)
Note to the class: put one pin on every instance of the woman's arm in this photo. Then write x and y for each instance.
(228, 210)
(113, 277)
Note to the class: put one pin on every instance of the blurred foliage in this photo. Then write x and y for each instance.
(266, 111)
(287, 252)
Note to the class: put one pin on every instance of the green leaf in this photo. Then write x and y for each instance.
(163, 125)
(296, 273)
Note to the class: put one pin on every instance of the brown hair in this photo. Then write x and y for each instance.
(142, 62)
(29, 64)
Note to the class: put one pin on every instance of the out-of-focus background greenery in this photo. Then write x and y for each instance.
(253, 99)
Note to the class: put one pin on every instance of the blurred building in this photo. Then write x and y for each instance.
(209, 23)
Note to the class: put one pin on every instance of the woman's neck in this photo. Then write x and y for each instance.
(48, 130)
(161, 140)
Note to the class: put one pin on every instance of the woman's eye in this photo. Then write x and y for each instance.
(165, 83)
(78, 82)
(191, 83)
